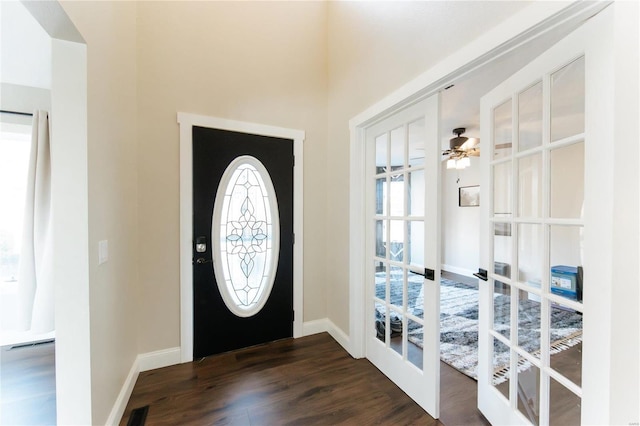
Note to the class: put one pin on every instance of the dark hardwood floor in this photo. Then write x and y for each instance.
(28, 385)
(458, 392)
(458, 398)
(310, 380)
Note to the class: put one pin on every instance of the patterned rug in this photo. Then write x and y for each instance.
(459, 325)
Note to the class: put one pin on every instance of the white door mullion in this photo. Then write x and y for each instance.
(514, 292)
(405, 230)
(563, 381)
(546, 199)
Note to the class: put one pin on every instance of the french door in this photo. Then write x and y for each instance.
(537, 234)
(403, 250)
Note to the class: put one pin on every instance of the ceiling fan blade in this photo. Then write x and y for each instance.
(470, 144)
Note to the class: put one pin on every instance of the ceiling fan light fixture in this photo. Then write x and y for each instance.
(461, 148)
(457, 142)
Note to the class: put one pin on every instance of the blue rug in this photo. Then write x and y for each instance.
(459, 324)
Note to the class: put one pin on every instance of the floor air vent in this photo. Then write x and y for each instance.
(30, 344)
(138, 416)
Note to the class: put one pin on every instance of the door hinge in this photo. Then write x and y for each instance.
(293, 315)
(293, 238)
(294, 160)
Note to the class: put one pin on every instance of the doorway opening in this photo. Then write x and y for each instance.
(27, 326)
(479, 78)
(27, 348)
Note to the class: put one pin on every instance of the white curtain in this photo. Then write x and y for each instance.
(35, 283)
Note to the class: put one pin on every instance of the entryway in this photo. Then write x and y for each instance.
(240, 209)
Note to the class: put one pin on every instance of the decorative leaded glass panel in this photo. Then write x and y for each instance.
(246, 236)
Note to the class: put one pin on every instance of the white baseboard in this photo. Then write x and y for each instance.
(159, 359)
(339, 336)
(456, 270)
(325, 324)
(314, 327)
(143, 362)
(123, 397)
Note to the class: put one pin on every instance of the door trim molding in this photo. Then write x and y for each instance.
(186, 122)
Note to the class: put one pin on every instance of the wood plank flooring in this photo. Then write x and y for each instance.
(459, 399)
(305, 381)
(458, 392)
(28, 385)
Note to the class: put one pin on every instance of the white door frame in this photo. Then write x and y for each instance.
(186, 122)
(531, 22)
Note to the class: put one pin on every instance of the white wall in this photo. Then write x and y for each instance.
(25, 48)
(71, 233)
(625, 322)
(111, 193)
(19, 98)
(460, 225)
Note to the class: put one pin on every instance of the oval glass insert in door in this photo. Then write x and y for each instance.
(245, 234)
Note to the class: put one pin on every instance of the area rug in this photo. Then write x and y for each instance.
(459, 325)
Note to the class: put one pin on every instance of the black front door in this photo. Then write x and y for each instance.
(216, 328)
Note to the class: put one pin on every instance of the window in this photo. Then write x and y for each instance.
(15, 147)
(246, 233)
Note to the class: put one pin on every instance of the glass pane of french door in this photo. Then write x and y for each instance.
(399, 244)
(536, 215)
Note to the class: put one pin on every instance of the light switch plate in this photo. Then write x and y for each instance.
(103, 251)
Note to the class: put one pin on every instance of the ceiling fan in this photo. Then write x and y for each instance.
(460, 149)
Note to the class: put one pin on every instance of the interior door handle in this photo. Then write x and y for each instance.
(428, 273)
(482, 274)
(202, 260)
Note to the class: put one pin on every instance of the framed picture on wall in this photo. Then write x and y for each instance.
(469, 196)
